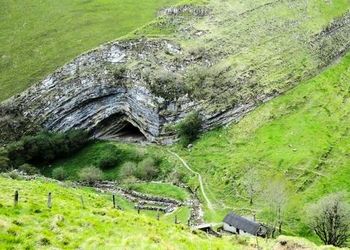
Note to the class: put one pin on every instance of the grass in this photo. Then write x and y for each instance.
(302, 135)
(67, 225)
(93, 153)
(160, 189)
(39, 36)
(31, 225)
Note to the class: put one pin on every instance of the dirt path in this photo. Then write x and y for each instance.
(210, 205)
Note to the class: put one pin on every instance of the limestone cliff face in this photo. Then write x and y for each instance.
(154, 83)
(94, 93)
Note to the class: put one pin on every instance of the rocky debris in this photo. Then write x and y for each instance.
(196, 216)
(333, 41)
(141, 201)
(199, 11)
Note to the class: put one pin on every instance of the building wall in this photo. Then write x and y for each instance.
(232, 229)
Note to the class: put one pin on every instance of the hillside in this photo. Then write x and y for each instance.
(67, 225)
(37, 37)
(186, 60)
(98, 93)
(301, 136)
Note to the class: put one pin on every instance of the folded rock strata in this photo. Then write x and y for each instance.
(146, 85)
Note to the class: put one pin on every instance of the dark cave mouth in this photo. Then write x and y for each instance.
(118, 127)
(130, 132)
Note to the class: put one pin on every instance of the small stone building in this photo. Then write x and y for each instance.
(239, 225)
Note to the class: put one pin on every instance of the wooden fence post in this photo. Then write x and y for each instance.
(82, 201)
(49, 201)
(113, 201)
(16, 198)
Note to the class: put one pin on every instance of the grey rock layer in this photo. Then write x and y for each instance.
(107, 88)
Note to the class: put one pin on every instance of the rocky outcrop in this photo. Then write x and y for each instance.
(187, 8)
(333, 41)
(151, 84)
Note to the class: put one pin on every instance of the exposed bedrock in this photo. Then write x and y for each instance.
(145, 86)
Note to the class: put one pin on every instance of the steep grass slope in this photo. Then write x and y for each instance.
(302, 136)
(31, 225)
(67, 225)
(39, 36)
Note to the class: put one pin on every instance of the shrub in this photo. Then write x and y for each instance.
(119, 73)
(188, 129)
(59, 174)
(108, 162)
(330, 219)
(168, 85)
(4, 164)
(29, 169)
(177, 177)
(90, 174)
(128, 170)
(130, 180)
(110, 157)
(147, 169)
(46, 147)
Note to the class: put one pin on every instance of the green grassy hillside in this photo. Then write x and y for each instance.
(302, 136)
(39, 36)
(31, 225)
(67, 225)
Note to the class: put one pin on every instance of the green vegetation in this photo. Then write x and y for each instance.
(330, 219)
(160, 189)
(188, 130)
(302, 137)
(123, 161)
(59, 174)
(43, 148)
(90, 174)
(297, 144)
(68, 225)
(39, 36)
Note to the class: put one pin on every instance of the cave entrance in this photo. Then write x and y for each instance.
(117, 127)
(129, 132)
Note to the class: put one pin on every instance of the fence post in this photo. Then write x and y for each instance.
(16, 198)
(113, 200)
(82, 201)
(49, 201)
(158, 214)
(176, 219)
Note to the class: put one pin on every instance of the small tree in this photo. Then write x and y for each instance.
(127, 170)
(276, 195)
(147, 169)
(59, 174)
(29, 169)
(90, 174)
(330, 220)
(189, 128)
(251, 183)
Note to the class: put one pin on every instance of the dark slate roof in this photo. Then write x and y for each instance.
(241, 223)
